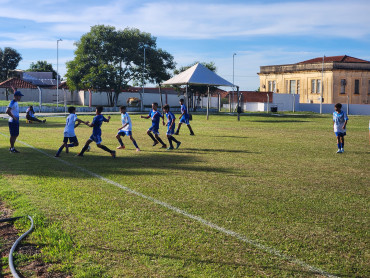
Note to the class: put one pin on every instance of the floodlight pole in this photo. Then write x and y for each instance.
(143, 83)
(58, 71)
(322, 83)
(238, 108)
(233, 83)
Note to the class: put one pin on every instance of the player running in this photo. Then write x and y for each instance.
(126, 129)
(184, 118)
(170, 127)
(155, 116)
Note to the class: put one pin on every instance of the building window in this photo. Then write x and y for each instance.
(343, 86)
(272, 86)
(316, 86)
(292, 85)
(357, 86)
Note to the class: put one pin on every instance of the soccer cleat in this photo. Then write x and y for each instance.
(113, 154)
(170, 148)
(121, 147)
(192, 133)
(155, 143)
(137, 149)
(44, 121)
(57, 155)
(88, 148)
(176, 133)
(339, 151)
(164, 146)
(342, 150)
(13, 150)
(178, 145)
(80, 154)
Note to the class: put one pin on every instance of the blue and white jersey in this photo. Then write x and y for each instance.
(339, 119)
(184, 110)
(30, 112)
(13, 105)
(97, 122)
(155, 116)
(125, 118)
(170, 116)
(69, 130)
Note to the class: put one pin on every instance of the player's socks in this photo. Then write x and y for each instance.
(170, 141)
(151, 136)
(105, 148)
(71, 145)
(120, 141)
(135, 144)
(191, 131)
(83, 150)
(174, 139)
(59, 151)
(339, 146)
(160, 141)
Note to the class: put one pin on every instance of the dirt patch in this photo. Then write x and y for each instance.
(8, 235)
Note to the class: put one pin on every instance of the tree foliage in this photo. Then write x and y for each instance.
(42, 66)
(107, 60)
(9, 60)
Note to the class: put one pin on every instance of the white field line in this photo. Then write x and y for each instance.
(194, 217)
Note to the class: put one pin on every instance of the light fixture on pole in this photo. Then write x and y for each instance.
(58, 71)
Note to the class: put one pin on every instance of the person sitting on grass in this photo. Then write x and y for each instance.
(339, 122)
(155, 116)
(96, 135)
(69, 131)
(170, 127)
(184, 118)
(30, 115)
(125, 129)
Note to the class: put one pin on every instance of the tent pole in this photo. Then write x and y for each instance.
(238, 108)
(160, 95)
(208, 104)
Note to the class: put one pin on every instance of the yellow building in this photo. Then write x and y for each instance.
(345, 79)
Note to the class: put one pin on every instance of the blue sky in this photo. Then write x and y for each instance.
(266, 32)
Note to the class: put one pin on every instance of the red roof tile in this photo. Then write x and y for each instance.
(16, 83)
(342, 59)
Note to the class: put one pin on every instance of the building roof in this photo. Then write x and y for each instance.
(38, 80)
(340, 59)
(17, 83)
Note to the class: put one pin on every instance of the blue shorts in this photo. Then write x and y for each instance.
(96, 138)
(340, 134)
(14, 128)
(185, 119)
(124, 132)
(170, 131)
(71, 139)
(154, 129)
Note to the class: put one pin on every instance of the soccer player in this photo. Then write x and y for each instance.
(184, 118)
(69, 131)
(125, 129)
(155, 116)
(170, 127)
(339, 122)
(13, 112)
(96, 135)
(30, 115)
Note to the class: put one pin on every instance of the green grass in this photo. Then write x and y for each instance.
(276, 180)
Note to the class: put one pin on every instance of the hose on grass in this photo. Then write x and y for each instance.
(11, 264)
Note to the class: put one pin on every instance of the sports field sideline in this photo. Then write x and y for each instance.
(266, 196)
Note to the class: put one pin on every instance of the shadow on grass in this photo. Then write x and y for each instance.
(280, 121)
(197, 261)
(42, 163)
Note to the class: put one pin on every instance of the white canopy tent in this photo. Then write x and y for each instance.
(202, 76)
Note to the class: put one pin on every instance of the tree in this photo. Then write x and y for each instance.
(9, 60)
(42, 66)
(107, 60)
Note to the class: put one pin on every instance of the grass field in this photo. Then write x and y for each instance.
(264, 197)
